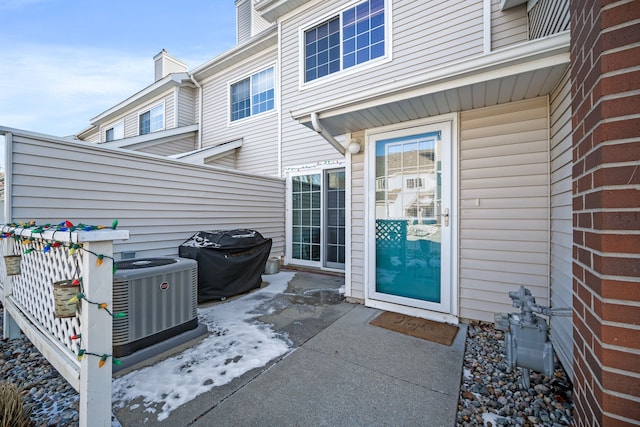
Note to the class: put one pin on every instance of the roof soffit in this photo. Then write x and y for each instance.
(271, 10)
(499, 77)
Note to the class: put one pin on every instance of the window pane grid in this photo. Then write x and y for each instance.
(240, 104)
(322, 49)
(363, 33)
(253, 95)
(306, 217)
(362, 28)
(145, 123)
(156, 121)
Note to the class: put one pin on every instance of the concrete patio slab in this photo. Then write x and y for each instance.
(341, 371)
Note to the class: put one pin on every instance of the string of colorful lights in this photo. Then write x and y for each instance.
(37, 242)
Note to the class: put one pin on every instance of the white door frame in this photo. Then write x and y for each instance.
(447, 310)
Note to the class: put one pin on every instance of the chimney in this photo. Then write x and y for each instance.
(165, 65)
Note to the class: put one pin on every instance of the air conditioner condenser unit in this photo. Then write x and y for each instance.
(159, 297)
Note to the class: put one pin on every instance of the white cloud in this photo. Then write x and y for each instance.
(57, 90)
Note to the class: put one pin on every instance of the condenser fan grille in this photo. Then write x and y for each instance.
(143, 263)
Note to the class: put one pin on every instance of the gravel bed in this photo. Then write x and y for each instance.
(490, 394)
(53, 401)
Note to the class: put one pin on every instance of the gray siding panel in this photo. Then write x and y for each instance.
(186, 106)
(561, 221)
(509, 26)
(176, 146)
(259, 151)
(131, 124)
(504, 189)
(161, 202)
(243, 20)
(446, 31)
(358, 214)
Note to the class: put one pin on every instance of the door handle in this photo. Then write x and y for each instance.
(445, 215)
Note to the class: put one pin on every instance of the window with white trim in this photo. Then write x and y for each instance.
(354, 36)
(114, 132)
(253, 95)
(151, 120)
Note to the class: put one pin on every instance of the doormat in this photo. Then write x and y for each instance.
(442, 333)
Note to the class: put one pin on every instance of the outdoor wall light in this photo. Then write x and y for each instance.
(354, 147)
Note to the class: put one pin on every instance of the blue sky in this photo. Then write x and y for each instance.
(63, 62)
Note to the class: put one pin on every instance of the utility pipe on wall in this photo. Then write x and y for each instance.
(200, 115)
(315, 122)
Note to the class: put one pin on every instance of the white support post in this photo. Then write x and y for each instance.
(96, 330)
(10, 329)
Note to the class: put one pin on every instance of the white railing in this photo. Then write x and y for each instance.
(75, 345)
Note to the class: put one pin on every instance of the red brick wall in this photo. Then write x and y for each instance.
(605, 60)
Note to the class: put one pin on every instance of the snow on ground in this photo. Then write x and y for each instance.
(236, 345)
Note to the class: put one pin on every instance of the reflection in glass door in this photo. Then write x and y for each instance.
(306, 196)
(318, 219)
(335, 219)
(408, 215)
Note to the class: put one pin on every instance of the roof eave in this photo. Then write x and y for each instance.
(259, 43)
(551, 50)
(145, 94)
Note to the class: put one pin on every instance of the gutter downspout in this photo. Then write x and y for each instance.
(200, 95)
(315, 122)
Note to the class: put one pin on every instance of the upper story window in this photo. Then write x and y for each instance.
(352, 37)
(115, 132)
(253, 95)
(151, 120)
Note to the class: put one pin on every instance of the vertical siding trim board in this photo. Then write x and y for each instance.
(561, 221)
(486, 29)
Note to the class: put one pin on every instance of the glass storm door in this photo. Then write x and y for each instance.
(412, 187)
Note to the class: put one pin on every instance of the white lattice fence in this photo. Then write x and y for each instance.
(33, 288)
(49, 256)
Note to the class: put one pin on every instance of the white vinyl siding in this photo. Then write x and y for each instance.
(93, 137)
(504, 206)
(227, 162)
(302, 146)
(508, 26)
(186, 107)
(161, 202)
(259, 152)
(181, 145)
(131, 117)
(358, 206)
(243, 20)
(434, 33)
(561, 221)
(248, 21)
